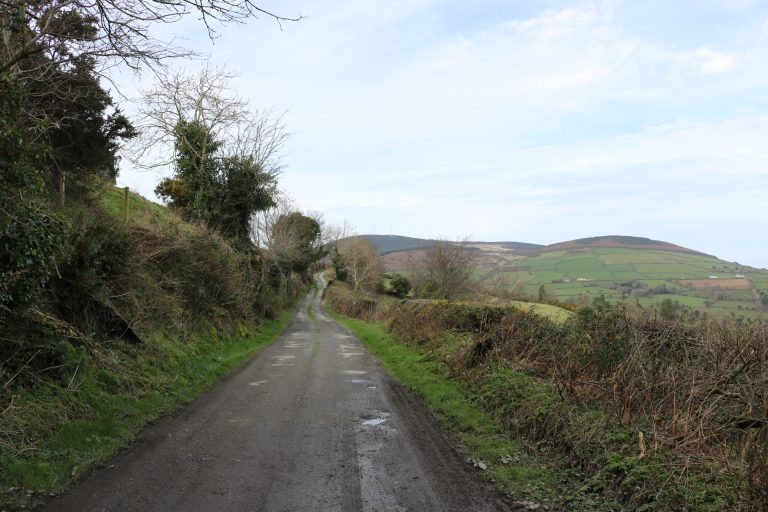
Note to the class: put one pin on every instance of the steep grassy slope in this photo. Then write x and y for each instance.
(140, 318)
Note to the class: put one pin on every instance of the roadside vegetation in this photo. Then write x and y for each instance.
(482, 438)
(140, 319)
(59, 427)
(115, 310)
(611, 407)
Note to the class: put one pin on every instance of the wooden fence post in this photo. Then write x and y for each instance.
(125, 207)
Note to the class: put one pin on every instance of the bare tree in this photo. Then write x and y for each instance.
(446, 270)
(261, 137)
(361, 262)
(498, 281)
(263, 223)
(335, 233)
(203, 98)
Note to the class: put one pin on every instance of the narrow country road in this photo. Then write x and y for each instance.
(311, 424)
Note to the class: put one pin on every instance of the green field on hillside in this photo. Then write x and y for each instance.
(645, 274)
(642, 276)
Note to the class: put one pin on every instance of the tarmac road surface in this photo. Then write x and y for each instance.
(311, 424)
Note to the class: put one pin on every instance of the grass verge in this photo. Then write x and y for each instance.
(85, 418)
(512, 465)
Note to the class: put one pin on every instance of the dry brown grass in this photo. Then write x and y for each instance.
(690, 401)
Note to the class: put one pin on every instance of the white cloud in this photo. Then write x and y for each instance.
(713, 62)
(704, 60)
(571, 22)
(559, 122)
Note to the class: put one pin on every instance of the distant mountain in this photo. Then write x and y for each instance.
(386, 244)
(617, 242)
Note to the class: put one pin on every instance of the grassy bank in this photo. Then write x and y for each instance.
(104, 399)
(529, 475)
(136, 319)
(634, 411)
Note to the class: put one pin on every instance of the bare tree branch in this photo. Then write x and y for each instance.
(120, 29)
(261, 137)
(202, 98)
(445, 271)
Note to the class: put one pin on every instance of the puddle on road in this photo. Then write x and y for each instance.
(358, 381)
(257, 383)
(282, 360)
(354, 372)
(349, 351)
(372, 420)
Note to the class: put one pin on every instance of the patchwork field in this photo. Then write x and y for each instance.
(717, 284)
(645, 277)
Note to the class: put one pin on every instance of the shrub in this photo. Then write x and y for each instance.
(32, 235)
(32, 239)
(401, 285)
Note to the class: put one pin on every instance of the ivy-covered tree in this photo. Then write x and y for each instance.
(244, 189)
(223, 192)
(32, 235)
(225, 158)
(64, 101)
(193, 187)
(84, 131)
(297, 238)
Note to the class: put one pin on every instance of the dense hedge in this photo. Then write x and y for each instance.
(660, 415)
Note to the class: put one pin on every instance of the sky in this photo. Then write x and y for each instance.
(504, 120)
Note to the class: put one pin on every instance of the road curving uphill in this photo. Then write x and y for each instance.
(313, 423)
